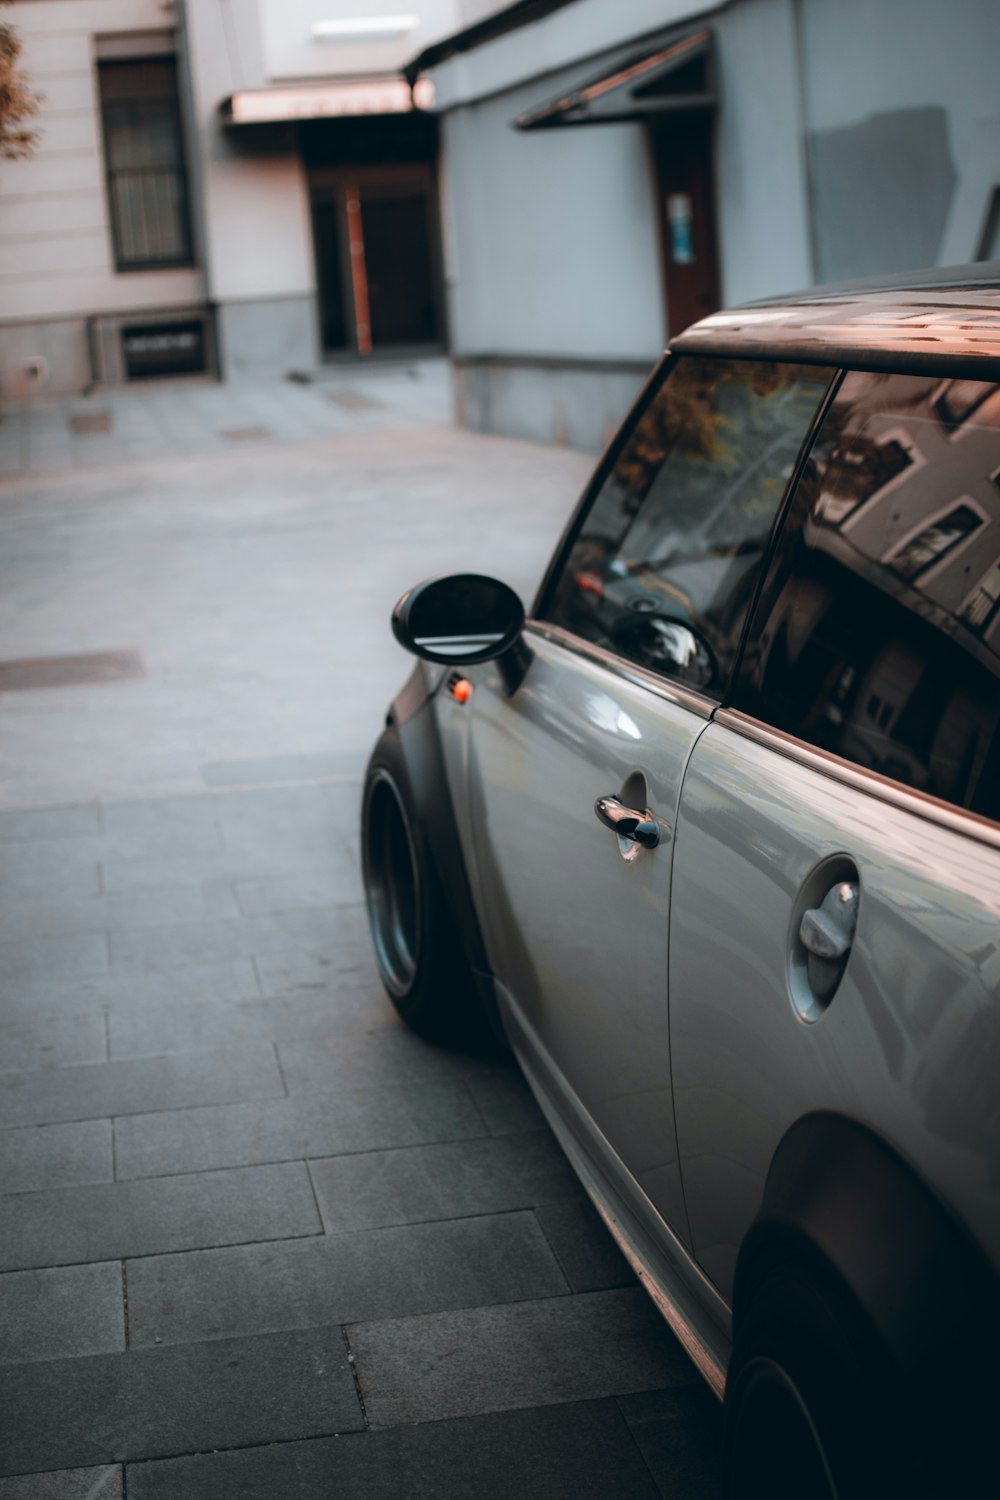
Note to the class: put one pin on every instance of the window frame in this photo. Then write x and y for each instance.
(187, 259)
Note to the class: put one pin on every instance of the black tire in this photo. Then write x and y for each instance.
(812, 1409)
(417, 947)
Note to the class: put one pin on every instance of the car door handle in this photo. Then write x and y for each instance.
(827, 931)
(632, 823)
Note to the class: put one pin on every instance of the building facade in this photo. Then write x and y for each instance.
(613, 172)
(548, 188)
(240, 187)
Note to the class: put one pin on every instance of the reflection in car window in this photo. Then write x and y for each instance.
(877, 635)
(665, 564)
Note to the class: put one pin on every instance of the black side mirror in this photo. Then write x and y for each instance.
(463, 619)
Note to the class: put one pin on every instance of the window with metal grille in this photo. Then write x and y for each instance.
(147, 184)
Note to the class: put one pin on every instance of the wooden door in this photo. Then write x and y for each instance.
(684, 183)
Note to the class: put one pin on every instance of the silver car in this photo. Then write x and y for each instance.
(711, 841)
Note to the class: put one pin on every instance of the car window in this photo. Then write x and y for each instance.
(664, 565)
(877, 635)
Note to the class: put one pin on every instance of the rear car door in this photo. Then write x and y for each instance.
(634, 646)
(862, 750)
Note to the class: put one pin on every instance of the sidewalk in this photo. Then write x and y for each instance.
(258, 1239)
(164, 419)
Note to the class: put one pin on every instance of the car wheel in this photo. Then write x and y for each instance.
(810, 1400)
(417, 947)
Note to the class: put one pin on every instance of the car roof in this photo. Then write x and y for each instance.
(944, 320)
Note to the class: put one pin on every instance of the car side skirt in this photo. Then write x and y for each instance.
(690, 1304)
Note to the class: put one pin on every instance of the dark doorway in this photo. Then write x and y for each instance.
(684, 183)
(328, 239)
(375, 225)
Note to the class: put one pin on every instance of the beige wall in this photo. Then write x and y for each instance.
(254, 202)
(56, 254)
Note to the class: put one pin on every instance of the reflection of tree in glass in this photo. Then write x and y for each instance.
(722, 500)
(706, 414)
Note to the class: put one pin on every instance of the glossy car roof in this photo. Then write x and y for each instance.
(942, 320)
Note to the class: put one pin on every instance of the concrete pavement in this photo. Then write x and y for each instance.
(257, 1239)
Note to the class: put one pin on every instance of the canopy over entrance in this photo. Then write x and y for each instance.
(676, 75)
(330, 99)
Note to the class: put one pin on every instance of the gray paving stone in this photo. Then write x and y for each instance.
(150, 816)
(387, 1059)
(506, 1102)
(133, 1086)
(50, 822)
(17, 883)
(325, 805)
(149, 1403)
(42, 856)
(51, 1156)
(153, 908)
(233, 979)
(66, 1484)
(266, 860)
(43, 1040)
(580, 1449)
(290, 971)
(324, 1123)
(192, 1027)
(491, 1175)
(384, 1273)
(292, 892)
(273, 768)
(590, 1259)
(321, 929)
(679, 1434)
(61, 1314)
(451, 1364)
(70, 953)
(113, 1220)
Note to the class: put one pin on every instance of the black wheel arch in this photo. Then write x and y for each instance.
(841, 1200)
(412, 718)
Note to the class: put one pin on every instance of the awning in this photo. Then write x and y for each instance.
(330, 99)
(679, 74)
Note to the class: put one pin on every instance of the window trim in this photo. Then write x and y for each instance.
(187, 260)
(861, 778)
(679, 693)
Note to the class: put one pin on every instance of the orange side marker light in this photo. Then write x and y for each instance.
(462, 690)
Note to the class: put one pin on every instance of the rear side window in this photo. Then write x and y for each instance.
(665, 563)
(877, 635)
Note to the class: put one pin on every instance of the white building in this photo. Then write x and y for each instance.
(241, 185)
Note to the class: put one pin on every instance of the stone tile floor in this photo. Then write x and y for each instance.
(256, 1239)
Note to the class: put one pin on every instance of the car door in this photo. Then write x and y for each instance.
(862, 751)
(634, 643)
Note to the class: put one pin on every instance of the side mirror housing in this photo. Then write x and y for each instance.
(463, 619)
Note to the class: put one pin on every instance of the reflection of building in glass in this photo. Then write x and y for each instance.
(857, 472)
(935, 541)
(979, 609)
(958, 400)
(876, 642)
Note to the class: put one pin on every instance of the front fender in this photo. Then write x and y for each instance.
(413, 718)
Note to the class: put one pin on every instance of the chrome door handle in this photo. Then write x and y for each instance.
(827, 931)
(628, 822)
